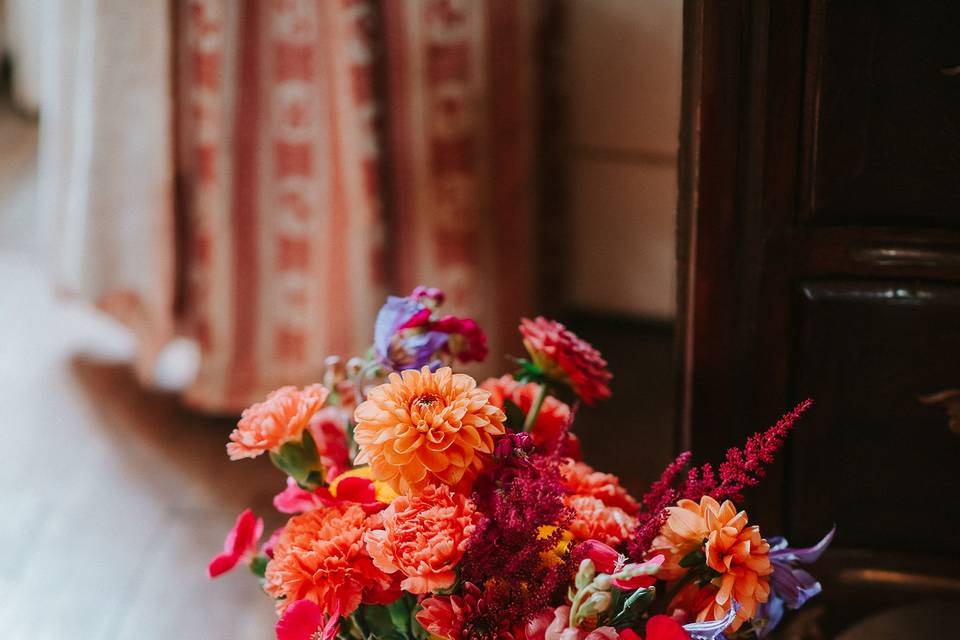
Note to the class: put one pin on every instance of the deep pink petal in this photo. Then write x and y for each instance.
(301, 620)
(294, 499)
(355, 489)
(267, 548)
(604, 556)
(221, 564)
(665, 628)
(629, 634)
(240, 544)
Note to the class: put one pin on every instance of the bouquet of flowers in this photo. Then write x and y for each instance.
(424, 505)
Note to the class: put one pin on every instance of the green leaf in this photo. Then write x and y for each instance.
(635, 604)
(693, 559)
(379, 622)
(400, 615)
(259, 565)
(528, 372)
(419, 633)
(309, 448)
(515, 415)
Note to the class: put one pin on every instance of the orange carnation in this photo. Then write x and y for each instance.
(424, 428)
(581, 479)
(553, 417)
(270, 424)
(594, 520)
(424, 538)
(320, 556)
(732, 549)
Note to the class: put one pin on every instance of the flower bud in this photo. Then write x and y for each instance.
(585, 573)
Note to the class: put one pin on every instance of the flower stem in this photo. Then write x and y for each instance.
(535, 409)
(681, 583)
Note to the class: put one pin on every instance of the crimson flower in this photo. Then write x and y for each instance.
(305, 620)
(240, 545)
(567, 359)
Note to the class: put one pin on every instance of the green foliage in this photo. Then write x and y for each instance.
(515, 415)
(259, 565)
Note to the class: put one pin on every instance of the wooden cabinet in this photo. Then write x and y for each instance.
(819, 250)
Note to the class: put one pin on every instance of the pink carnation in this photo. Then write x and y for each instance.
(424, 538)
(594, 520)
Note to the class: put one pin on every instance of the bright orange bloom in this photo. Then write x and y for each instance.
(732, 549)
(583, 480)
(594, 520)
(282, 417)
(424, 538)
(554, 415)
(320, 556)
(423, 428)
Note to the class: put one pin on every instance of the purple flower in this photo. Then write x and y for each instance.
(792, 586)
(410, 334)
(791, 583)
(398, 340)
(712, 629)
(769, 616)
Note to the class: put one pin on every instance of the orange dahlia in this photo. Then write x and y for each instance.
(424, 538)
(320, 556)
(282, 417)
(594, 520)
(554, 415)
(563, 356)
(581, 479)
(424, 428)
(736, 552)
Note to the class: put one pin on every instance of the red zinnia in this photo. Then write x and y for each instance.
(563, 356)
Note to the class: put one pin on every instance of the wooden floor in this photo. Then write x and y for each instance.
(112, 498)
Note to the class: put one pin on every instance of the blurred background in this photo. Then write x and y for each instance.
(202, 199)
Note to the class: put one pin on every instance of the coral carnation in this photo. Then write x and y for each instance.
(449, 616)
(581, 479)
(424, 428)
(554, 416)
(320, 557)
(424, 538)
(733, 550)
(565, 357)
(282, 417)
(594, 520)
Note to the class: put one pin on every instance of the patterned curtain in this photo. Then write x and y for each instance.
(324, 152)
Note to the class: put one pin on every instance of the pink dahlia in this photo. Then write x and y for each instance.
(566, 358)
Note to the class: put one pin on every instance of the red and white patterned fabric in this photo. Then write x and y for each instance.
(279, 156)
(460, 80)
(325, 153)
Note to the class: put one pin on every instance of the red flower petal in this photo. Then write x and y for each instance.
(665, 628)
(241, 543)
(353, 489)
(301, 620)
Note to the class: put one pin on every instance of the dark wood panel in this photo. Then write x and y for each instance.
(871, 457)
(884, 113)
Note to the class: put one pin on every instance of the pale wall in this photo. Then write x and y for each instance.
(623, 62)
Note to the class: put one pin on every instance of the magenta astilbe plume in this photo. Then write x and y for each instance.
(742, 468)
(668, 479)
(519, 494)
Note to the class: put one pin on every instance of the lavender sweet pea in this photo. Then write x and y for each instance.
(396, 342)
(713, 629)
(791, 585)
